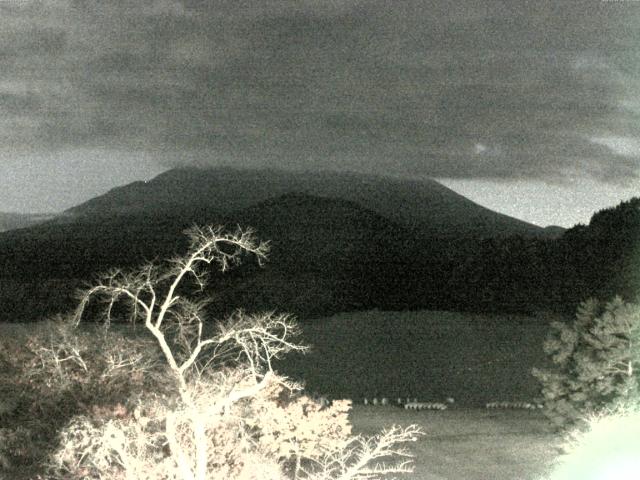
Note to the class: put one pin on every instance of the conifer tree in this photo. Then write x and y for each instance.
(597, 361)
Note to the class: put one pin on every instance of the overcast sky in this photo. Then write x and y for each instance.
(529, 107)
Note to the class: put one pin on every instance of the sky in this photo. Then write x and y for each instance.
(531, 108)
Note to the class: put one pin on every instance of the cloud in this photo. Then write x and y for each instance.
(408, 88)
(627, 147)
(479, 148)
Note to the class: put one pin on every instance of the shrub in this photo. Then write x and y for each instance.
(51, 372)
(607, 448)
(193, 406)
(597, 360)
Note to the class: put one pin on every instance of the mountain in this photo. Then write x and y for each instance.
(359, 242)
(424, 206)
(327, 255)
(11, 221)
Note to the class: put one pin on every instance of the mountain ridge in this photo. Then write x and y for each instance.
(423, 205)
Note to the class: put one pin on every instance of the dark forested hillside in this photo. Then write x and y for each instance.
(601, 260)
(604, 257)
(329, 255)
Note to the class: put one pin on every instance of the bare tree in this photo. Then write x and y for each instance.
(226, 388)
(356, 459)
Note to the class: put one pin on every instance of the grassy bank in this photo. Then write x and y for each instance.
(470, 444)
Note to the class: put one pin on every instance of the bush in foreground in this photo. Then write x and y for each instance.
(608, 449)
(212, 406)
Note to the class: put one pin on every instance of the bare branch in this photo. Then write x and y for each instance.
(206, 247)
(218, 378)
(357, 460)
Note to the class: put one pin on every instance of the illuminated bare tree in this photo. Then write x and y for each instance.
(229, 412)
